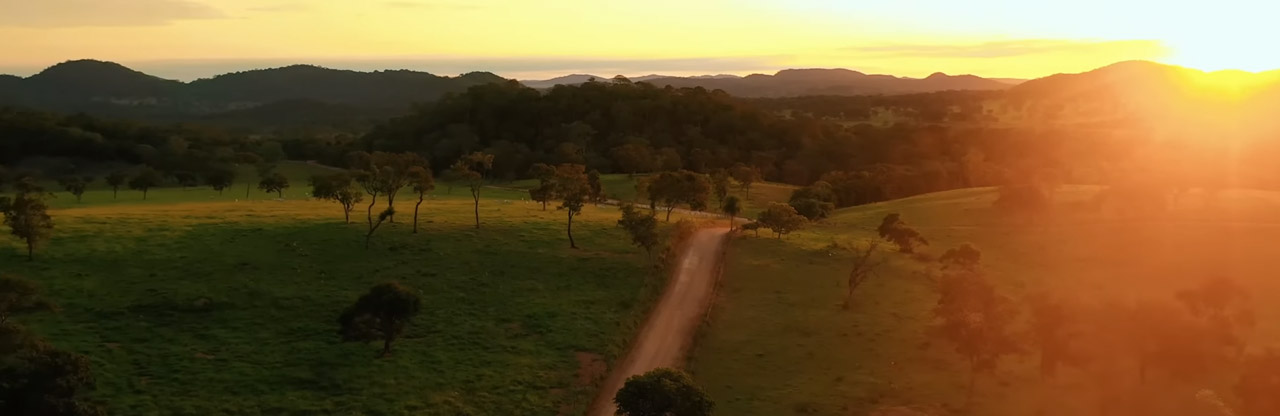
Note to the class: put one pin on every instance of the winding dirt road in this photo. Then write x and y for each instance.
(670, 329)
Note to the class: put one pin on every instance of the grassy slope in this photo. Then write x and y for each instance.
(229, 307)
(779, 343)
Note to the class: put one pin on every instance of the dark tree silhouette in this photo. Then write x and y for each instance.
(144, 180)
(573, 188)
(643, 228)
(781, 218)
(731, 206)
(965, 257)
(663, 392)
(27, 216)
(220, 178)
(423, 183)
(337, 187)
(380, 315)
(274, 182)
(471, 170)
(976, 320)
(116, 179)
(896, 231)
(545, 191)
(863, 269)
(20, 296)
(76, 185)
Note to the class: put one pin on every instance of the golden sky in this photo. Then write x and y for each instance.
(187, 39)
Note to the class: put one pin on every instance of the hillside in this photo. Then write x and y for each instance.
(779, 341)
(800, 82)
(107, 88)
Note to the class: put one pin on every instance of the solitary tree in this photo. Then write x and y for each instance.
(643, 228)
(423, 183)
(896, 231)
(381, 314)
(144, 180)
(863, 269)
(338, 188)
(720, 184)
(274, 182)
(663, 392)
(18, 296)
(731, 206)
(745, 175)
(545, 191)
(965, 257)
(220, 178)
(471, 170)
(115, 179)
(781, 218)
(27, 216)
(76, 185)
(976, 320)
(596, 195)
(573, 189)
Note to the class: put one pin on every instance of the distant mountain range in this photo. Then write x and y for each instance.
(112, 89)
(799, 82)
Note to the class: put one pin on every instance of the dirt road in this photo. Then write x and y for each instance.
(668, 333)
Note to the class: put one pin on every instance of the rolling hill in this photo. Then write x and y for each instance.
(799, 82)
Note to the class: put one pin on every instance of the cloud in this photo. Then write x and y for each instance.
(429, 5)
(1005, 48)
(83, 13)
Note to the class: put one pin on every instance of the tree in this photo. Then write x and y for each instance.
(381, 314)
(394, 172)
(220, 178)
(681, 187)
(19, 296)
(252, 159)
(274, 182)
(634, 158)
(815, 201)
(745, 175)
(1259, 383)
(720, 184)
(863, 269)
(144, 180)
(115, 179)
(545, 174)
(781, 218)
(186, 179)
(596, 194)
(975, 319)
(75, 185)
(27, 216)
(1054, 325)
(643, 228)
(573, 189)
(338, 188)
(731, 206)
(422, 183)
(471, 170)
(896, 231)
(42, 380)
(662, 392)
(965, 257)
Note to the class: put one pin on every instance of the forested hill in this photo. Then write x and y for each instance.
(105, 88)
(802, 82)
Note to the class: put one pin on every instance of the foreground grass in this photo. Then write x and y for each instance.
(779, 342)
(208, 308)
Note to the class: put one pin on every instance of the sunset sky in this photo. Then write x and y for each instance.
(186, 39)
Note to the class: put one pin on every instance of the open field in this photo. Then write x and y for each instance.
(229, 307)
(779, 342)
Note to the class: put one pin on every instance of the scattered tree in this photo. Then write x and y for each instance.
(274, 182)
(27, 216)
(896, 231)
(573, 189)
(976, 320)
(76, 185)
(965, 257)
(545, 191)
(144, 180)
(42, 380)
(663, 392)
(745, 176)
(596, 194)
(186, 179)
(422, 183)
(720, 185)
(381, 314)
(220, 178)
(815, 201)
(781, 218)
(731, 206)
(471, 170)
(338, 188)
(643, 228)
(115, 179)
(682, 187)
(863, 269)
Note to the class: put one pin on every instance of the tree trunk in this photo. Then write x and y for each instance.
(415, 214)
(669, 209)
(115, 192)
(31, 250)
(346, 214)
(569, 230)
(475, 195)
(369, 211)
(246, 189)
(280, 194)
(220, 191)
(386, 347)
(144, 194)
(731, 222)
(391, 202)
(544, 205)
(78, 198)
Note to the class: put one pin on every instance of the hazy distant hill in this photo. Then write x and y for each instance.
(575, 79)
(799, 82)
(110, 88)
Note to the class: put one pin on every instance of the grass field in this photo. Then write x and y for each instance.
(779, 343)
(194, 304)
